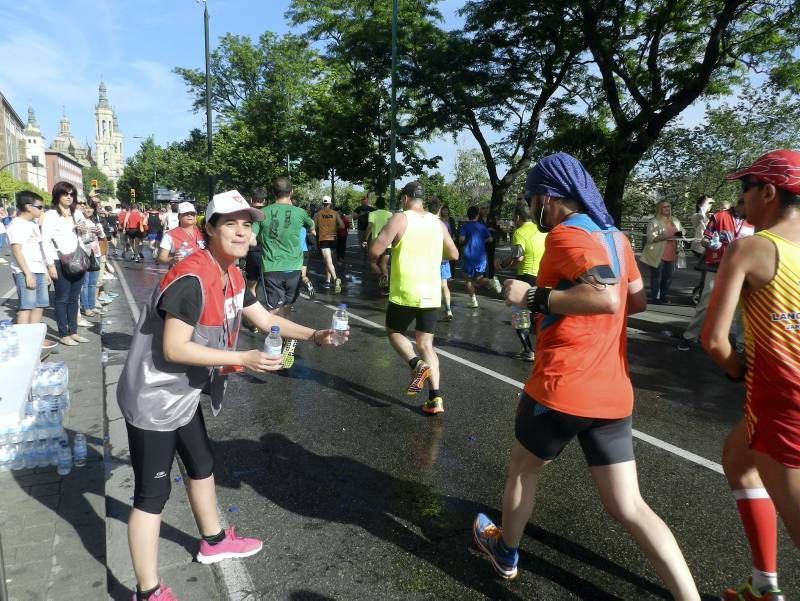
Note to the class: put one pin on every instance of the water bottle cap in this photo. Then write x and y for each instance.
(343, 306)
(275, 329)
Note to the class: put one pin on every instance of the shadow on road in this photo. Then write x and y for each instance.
(414, 517)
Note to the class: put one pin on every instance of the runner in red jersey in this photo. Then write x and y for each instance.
(761, 456)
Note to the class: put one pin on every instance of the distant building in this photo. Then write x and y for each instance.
(34, 150)
(12, 143)
(63, 167)
(67, 144)
(108, 138)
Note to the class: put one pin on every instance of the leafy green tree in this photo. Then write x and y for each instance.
(9, 186)
(348, 126)
(656, 58)
(513, 63)
(685, 163)
(94, 173)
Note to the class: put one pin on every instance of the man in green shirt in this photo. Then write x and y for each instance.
(376, 220)
(281, 255)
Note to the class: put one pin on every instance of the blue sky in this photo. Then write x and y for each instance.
(54, 54)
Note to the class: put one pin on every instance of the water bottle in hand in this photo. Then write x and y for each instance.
(273, 345)
(79, 450)
(183, 251)
(520, 318)
(340, 325)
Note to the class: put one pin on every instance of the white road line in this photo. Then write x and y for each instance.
(656, 442)
(9, 294)
(234, 574)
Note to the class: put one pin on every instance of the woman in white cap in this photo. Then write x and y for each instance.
(183, 240)
(184, 345)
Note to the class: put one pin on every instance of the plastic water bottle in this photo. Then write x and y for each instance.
(79, 450)
(64, 464)
(28, 455)
(340, 325)
(183, 251)
(520, 318)
(16, 457)
(104, 357)
(715, 243)
(273, 345)
(5, 458)
(4, 356)
(12, 339)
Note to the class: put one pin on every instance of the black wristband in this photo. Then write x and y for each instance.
(539, 300)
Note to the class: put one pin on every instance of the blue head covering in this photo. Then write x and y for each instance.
(561, 175)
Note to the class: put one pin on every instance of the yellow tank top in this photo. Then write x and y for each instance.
(416, 280)
(772, 339)
(326, 225)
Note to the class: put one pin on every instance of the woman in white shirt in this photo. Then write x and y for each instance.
(59, 229)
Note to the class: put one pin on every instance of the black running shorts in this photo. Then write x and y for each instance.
(153, 452)
(283, 287)
(545, 432)
(399, 317)
(253, 265)
(327, 244)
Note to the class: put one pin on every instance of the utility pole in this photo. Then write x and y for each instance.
(393, 135)
(209, 130)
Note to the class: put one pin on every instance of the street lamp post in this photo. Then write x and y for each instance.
(393, 134)
(33, 161)
(209, 131)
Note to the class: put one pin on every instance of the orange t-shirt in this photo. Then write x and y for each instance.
(581, 363)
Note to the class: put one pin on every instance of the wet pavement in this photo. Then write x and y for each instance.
(359, 495)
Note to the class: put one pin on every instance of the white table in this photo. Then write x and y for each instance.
(16, 373)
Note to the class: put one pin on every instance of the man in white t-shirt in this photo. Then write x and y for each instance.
(31, 273)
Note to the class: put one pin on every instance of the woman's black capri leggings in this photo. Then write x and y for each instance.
(153, 452)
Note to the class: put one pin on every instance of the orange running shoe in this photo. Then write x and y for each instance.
(418, 376)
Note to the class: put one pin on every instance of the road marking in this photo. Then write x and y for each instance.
(656, 442)
(10, 293)
(235, 576)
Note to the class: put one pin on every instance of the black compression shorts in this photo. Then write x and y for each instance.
(545, 432)
(399, 317)
(152, 454)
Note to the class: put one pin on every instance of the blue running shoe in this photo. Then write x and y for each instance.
(486, 536)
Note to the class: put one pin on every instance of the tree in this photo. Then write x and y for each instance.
(514, 63)
(347, 131)
(10, 186)
(655, 58)
(685, 163)
(94, 173)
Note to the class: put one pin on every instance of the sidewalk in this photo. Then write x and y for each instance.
(65, 538)
(53, 527)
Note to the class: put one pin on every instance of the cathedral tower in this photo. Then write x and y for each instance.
(108, 138)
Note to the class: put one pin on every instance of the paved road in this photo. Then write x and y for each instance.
(358, 495)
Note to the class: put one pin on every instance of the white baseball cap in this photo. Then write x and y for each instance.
(326, 200)
(231, 202)
(186, 207)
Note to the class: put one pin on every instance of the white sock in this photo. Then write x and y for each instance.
(764, 581)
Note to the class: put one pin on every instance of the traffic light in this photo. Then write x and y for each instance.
(94, 183)
(133, 193)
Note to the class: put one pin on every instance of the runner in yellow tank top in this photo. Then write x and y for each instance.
(419, 241)
(761, 457)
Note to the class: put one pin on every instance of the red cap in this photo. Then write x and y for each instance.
(781, 168)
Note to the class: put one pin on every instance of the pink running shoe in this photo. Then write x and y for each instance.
(163, 593)
(231, 546)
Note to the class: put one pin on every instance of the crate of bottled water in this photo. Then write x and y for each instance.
(36, 440)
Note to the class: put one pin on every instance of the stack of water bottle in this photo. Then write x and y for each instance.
(39, 438)
(9, 341)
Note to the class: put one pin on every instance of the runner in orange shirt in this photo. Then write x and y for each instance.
(587, 284)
